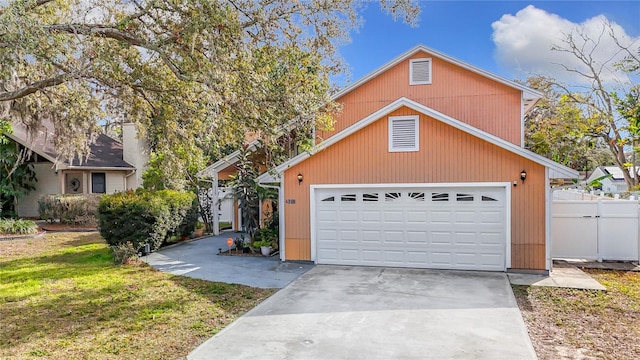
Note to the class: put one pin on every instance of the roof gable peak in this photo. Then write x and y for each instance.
(528, 93)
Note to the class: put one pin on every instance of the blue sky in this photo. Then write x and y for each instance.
(509, 38)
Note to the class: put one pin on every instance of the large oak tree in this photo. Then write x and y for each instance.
(196, 76)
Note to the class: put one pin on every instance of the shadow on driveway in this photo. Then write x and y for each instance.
(199, 259)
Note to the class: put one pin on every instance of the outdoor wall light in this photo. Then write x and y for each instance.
(300, 178)
(523, 175)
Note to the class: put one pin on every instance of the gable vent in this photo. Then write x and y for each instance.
(403, 133)
(420, 71)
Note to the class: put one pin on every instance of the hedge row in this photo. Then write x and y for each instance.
(69, 208)
(146, 216)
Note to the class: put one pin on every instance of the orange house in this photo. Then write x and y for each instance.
(425, 168)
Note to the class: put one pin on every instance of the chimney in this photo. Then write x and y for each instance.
(136, 152)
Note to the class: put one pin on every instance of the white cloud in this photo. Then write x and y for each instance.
(524, 44)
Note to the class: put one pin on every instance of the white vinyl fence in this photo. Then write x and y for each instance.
(602, 229)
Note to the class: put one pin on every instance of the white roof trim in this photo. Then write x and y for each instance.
(268, 177)
(558, 170)
(527, 93)
(221, 164)
(97, 168)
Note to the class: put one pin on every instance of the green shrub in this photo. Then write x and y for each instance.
(18, 227)
(190, 220)
(145, 216)
(124, 253)
(69, 208)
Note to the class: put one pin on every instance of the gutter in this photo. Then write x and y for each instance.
(100, 168)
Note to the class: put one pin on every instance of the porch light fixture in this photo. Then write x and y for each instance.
(300, 178)
(523, 175)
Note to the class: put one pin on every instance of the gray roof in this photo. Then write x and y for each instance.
(616, 172)
(106, 152)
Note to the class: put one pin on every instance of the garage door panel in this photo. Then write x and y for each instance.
(396, 216)
(349, 236)
(443, 228)
(327, 235)
(441, 238)
(441, 217)
(417, 257)
(349, 254)
(371, 236)
(493, 239)
(393, 237)
(489, 260)
(328, 254)
(417, 217)
(465, 238)
(327, 215)
(441, 258)
(371, 216)
(465, 217)
(417, 237)
(372, 255)
(348, 216)
(490, 217)
(465, 259)
(393, 257)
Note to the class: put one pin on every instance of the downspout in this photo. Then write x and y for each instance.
(126, 182)
(548, 207)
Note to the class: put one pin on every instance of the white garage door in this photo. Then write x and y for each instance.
(443, 228)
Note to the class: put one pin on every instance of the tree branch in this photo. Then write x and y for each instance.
(34, 87)
(115, 34)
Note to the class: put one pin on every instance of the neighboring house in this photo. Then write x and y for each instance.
(425, 167)
(614, 184)
(111, 166)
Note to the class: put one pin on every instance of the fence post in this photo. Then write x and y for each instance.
(598, 227)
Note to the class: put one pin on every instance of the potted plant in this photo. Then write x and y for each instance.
(264, 245)
(199, 231)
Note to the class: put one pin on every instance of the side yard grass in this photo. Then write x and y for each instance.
(582, 324)
(61, 297)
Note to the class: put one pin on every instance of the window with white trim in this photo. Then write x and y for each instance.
(420, 71)
(98, 183)
(404, 133)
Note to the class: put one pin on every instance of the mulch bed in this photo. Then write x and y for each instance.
(40, 233)
(234, 252)
(57, 227)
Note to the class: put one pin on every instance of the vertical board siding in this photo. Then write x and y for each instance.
(446, 155)
(457, 92)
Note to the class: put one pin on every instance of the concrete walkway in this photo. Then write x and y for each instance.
(563, 275)
(604, 265)
(350, 312)
(199, 259)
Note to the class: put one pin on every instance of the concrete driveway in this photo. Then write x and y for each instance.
(198, 259)
(336, 312)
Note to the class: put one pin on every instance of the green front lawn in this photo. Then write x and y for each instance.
(61, 297)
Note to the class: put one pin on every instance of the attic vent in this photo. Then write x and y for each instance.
(419, 71)
(403, 133)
